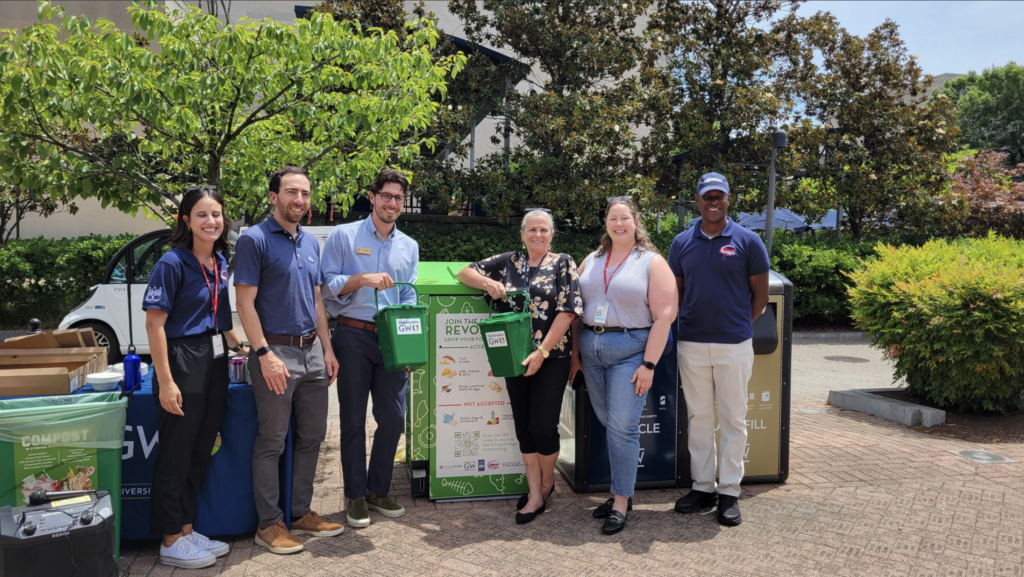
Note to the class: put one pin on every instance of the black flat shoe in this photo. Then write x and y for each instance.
(523, 499)
(602, 511)
(524, 518)
(614, 523)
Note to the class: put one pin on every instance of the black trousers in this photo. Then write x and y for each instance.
(536, 403)
(186, 441)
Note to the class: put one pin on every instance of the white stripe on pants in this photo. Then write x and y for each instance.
(709, 371)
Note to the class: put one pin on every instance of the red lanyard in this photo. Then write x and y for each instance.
(216, 284)
(608, 281)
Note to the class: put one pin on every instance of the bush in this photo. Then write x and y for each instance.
(951, 316)
(46, 278)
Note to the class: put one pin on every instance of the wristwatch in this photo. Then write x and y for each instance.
(236, 348)
(262, 351)
(543, 352)
(648, 365)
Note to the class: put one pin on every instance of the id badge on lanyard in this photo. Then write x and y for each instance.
(216, 341)
(601, 314)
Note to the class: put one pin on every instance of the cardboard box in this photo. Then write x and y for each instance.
(35, 341)
(88, 337)
(69, 338)
(34, 381)
(95, 357)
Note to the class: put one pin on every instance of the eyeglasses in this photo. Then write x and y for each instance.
(531, 209)
(710, 199)
(623, 198)
(387, 197)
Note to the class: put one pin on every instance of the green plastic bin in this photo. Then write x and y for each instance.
(62, 443)
(402, 333)
(508, 340)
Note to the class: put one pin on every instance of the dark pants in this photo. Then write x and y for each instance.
(305, 398)
(362, 375)
(186, 441)
(536, 402)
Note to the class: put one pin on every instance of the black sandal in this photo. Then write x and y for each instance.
(614, 523)
(525, 498)
(602, 511)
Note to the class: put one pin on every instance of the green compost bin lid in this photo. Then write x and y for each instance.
(438, 278)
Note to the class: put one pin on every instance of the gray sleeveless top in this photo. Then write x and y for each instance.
(627, 290)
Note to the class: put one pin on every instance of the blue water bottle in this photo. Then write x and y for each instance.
(132, 371)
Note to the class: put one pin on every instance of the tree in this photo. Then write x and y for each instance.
(870, 142)
(990, 109)
(16, 203)
(996, 199)
(574, 126)
(215, 104)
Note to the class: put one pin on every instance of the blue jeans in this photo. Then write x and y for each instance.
(609, 361)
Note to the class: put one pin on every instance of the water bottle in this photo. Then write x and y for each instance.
(132, 371)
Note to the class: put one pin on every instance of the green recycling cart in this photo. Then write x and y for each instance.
(460, 437)
(62, 443)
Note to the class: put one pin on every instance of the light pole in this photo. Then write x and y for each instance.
(778, 141)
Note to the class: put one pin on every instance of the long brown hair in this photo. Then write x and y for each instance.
(182, 236)
(643, 240)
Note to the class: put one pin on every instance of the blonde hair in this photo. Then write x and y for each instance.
(643, 240)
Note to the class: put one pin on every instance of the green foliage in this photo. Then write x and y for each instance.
(990, 110)
(16, 203)
(211, 104)
(949, 314)
(46, 278)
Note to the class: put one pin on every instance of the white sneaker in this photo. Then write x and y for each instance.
(186, 555)
(218, 548)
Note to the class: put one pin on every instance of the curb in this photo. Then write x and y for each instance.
(865, 401)
(831, 337)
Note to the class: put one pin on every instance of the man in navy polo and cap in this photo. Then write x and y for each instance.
(277, 289)
(721, 270)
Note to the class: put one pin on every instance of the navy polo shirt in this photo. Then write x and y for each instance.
(716, 282)
(176, 286)
(286, 270)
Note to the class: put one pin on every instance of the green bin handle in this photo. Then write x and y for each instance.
(526, 304)
(376, 299)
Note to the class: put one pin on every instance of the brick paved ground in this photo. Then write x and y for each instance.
(866, 497)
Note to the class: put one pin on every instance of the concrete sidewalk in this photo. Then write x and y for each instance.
(865, 497)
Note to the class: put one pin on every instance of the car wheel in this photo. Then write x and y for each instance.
(105, 337)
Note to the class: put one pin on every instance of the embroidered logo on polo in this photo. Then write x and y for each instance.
(311, 259)
(224, 275)
(728, 250)
(153, 294)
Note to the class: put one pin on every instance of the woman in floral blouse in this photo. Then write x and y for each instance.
(536, 397)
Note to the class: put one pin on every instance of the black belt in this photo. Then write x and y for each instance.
(601, 329)
(299, 341)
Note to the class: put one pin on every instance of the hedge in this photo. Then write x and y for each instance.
(46, 278)
(950, 315)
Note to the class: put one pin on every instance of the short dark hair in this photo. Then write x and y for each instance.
(182, 236)
(275, 179)
(387, 175)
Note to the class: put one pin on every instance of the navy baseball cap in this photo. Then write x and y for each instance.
(712, 181)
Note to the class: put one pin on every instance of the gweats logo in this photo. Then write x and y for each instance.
(493, 465)
(224, 275)
(728, 250)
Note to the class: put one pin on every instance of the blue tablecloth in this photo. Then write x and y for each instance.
(226, 505)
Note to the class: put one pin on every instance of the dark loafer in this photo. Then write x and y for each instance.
(603, 510)
(614, 523)
(523, 499)
(524, 518)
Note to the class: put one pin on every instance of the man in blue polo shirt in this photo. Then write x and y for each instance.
(721, 270)
(361, 258)
(277, 289)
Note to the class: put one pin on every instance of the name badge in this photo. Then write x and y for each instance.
(218, 345)
(601, 314)
(363, 251)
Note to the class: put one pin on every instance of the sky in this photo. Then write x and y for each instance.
(946, 36)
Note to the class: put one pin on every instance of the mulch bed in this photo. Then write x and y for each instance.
(974, 427)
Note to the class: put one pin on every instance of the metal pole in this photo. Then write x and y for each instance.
(769, 219)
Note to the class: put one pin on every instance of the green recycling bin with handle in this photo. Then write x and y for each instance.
(508, 339)
(402, 333)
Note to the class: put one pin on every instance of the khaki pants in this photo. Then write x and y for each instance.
(710, 372)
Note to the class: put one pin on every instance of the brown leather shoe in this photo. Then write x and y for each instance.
(277, 539)
(313, 524)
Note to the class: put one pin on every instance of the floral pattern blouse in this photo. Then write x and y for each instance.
(554, 288)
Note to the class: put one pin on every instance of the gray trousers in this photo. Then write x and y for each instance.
(306, 398)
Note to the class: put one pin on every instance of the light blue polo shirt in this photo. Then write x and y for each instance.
(357, 248)
(716, 282)
(286, 270)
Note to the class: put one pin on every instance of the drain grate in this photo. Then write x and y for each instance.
(984, 457)
(847, 359)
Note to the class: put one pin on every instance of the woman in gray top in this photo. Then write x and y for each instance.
(629, 304)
